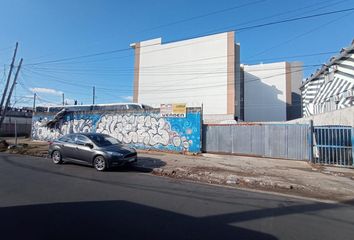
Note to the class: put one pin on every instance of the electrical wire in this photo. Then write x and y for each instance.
(308, 7)
(203, 15)
(154, 92)
(301, 35)
(206, 75)
(196, 42)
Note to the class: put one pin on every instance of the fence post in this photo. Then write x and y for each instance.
(311, 141)
(352, 135)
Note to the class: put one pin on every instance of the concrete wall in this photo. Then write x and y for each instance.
(294, 110)
(269, 91)
(343, 117)
(265, 92)
(195, 71)
(144, 130)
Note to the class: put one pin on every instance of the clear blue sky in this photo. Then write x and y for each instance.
(56, 29)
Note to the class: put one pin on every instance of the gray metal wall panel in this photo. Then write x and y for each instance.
(297, 142)
(293, 135)
(242, 140)
(288, 141)
(278, 143)
(212, 139)
(225, 139)
(257, 144)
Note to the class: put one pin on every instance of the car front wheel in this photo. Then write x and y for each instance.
(100, 163)
(56, 157)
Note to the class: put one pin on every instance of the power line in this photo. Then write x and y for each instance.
(204, 15)
(176, 64)
(211, 86)
(166, 48)
(301, 35)
(174, 72)
(295, 19)
(194, 95)
(296, 56)
(82, 56)
(195, 17)
(277, 15)
(205, 75)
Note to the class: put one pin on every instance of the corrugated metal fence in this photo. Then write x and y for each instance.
(8, 130)
(289, 141)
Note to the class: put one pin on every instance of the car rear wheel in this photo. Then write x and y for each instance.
(100, 163)
(56, 157)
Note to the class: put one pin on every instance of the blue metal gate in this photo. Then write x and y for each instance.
(333, 145)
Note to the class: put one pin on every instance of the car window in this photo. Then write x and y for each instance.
(81, 140)
(64, 139)
(103, 140)
(67, 138)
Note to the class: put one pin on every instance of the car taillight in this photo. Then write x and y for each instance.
(50, 143)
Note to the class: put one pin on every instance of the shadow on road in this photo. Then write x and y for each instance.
(113, 220)
(144, 164)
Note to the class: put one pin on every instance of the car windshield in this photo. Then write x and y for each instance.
(103, 140)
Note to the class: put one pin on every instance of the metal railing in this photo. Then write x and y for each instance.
(333, 145)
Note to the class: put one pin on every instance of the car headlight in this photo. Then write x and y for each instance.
(116, 154)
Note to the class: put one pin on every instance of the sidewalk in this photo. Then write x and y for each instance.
(275, 175)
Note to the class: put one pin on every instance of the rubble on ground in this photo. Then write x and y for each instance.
(3, 145)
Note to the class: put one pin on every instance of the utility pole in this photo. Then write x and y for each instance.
(93, 95)
(62, 95)
(34, 102)
(8, 79)
(10, 93)
(15, 132)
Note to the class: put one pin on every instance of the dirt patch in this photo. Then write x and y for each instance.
(27, 147)
(244, 180)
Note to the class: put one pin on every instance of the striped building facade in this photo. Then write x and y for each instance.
(331, 87)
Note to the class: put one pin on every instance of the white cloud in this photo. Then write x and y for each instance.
(46, 90)
(128, 98)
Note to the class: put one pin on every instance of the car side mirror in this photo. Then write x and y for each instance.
(90, 145)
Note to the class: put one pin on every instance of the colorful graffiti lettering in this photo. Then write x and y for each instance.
(143, 130)
(146, 130)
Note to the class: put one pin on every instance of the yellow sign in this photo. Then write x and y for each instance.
(176, 110)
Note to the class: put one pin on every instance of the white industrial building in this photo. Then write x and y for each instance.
(206, 71)
(201, 71)
(331, 87)
(272, 91)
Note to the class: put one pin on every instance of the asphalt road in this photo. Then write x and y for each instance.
(40, 200)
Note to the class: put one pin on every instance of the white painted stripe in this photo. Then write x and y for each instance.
(346, 70)
(344, 77)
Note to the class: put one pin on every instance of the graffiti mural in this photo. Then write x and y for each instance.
(141, 130)
(41, 132)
